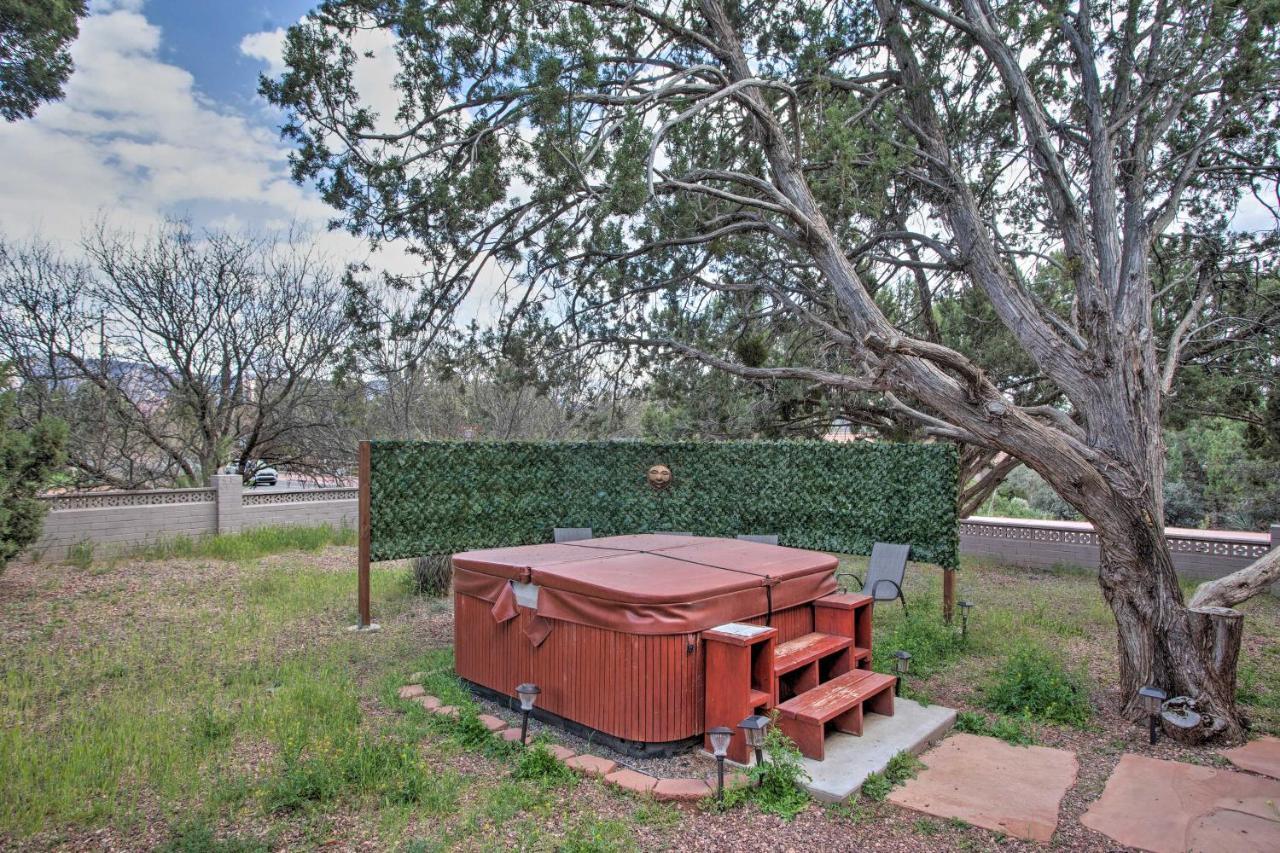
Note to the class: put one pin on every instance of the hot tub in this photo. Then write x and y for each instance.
(610, 628)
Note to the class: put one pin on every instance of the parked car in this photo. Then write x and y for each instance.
(264, 477)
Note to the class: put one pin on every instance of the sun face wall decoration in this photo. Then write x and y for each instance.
(658, 476)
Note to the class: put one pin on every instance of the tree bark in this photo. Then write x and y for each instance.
(1161, 642)
(1240, 586)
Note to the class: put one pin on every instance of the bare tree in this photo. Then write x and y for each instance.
(176, 352)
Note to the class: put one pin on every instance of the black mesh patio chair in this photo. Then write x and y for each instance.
(762, 538)
(572, 534)
(884, 573)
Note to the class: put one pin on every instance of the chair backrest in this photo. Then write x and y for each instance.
(888, 562)
(762, 538)
(572, 534)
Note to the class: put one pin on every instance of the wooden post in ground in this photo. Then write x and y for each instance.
(366, 530)
(948, 594)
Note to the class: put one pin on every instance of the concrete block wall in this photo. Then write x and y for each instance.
(113, 522)
(1197, 554)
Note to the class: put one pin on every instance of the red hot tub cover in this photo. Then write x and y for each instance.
(682, 585)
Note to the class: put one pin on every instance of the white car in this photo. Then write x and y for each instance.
(264, 477)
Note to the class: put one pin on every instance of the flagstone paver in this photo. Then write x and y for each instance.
(1168, 806)
(510, 735)
(1260, 756)
(492, 723)
(429, 702)
(989, 783)
(411, 691)
(563, 753)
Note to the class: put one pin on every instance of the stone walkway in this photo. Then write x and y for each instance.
(1260, 756)
(1171, 807)
(989, 783)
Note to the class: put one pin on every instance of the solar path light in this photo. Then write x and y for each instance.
(753, 729)
(1151, 699)
(528, 694)
(965, 606)
(720, 737)
(901, 665)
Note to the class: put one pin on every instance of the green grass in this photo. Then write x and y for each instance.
(247, 545)
(900, 768)
(1034, 683)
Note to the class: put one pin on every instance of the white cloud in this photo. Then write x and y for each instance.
(268, 48)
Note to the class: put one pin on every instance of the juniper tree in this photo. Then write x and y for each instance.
(613, 157)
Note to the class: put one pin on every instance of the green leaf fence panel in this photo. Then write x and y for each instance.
(439, 497)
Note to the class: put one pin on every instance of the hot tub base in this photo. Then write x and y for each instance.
(632, 748)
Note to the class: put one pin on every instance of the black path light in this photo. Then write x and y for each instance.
(720, 737)
(753, 729)
(965, 606)
(901, 665)
(528, 694)
(1152, 698)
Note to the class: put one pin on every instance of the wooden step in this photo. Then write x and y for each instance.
(839, 703)
(805, 650)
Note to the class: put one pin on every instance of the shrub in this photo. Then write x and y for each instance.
(1035, 684)
(432, 574)
(28, 459)
(774, 786)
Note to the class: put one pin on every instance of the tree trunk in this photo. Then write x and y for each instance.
(1162, 642)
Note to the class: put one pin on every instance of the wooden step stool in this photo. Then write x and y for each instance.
(839, 703)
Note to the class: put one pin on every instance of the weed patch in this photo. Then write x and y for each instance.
(932, 643)
(1035, 684)
(1008, 729)
(775, 785)
(900, 768)
(538, 764)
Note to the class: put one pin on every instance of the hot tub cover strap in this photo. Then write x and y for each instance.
(504, 607)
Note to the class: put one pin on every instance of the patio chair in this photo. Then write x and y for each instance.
(884, 573)
(762, 538)
(572, 534)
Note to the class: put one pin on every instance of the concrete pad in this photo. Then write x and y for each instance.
(1164, 806)
(849, 758)
(631, 780)
(989, 783)
(682, 790)
(1260, 756)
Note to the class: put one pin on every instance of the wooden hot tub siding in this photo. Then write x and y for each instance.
(645, 688)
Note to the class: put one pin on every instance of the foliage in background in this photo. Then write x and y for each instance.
(28, 459)
(1034, 683)
(35, 57)
(443, 497)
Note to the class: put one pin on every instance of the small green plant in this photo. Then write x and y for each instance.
(650, 812)
(924, 826)
(80, 554)
(538, 764)
(775, 785)
(900, 768)
(210, 726)
(1008, 729)
(432, 575)
(1033, 683)
(199, 837)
